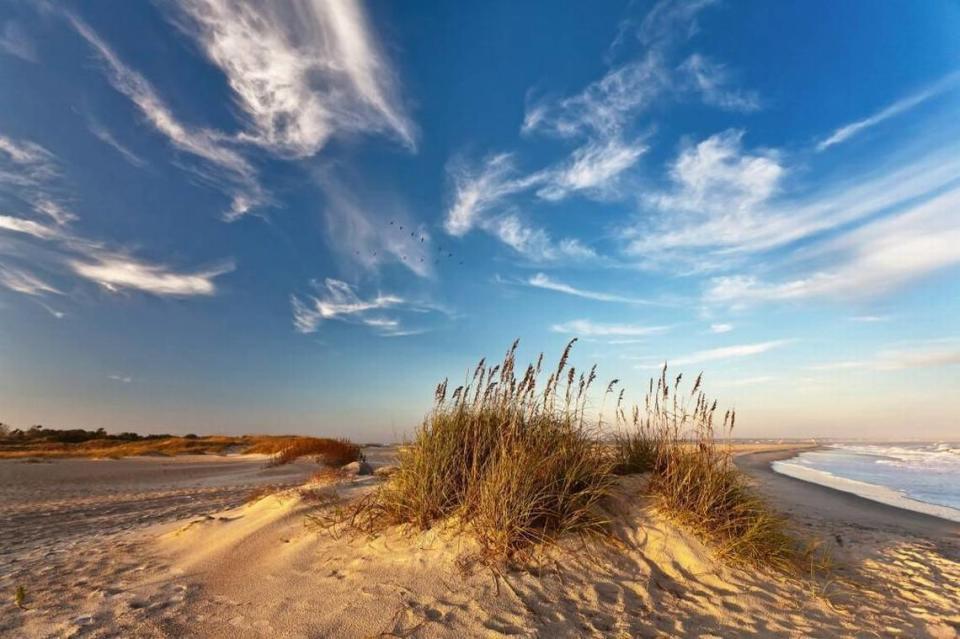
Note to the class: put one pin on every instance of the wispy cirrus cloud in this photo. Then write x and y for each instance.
(478, 190)
(27, 227)
(337, 300)
(301, 70)
(712, 81)
(721, 328)
(364, 229)
(208, 145)
(870, 260)
(931, 354)
(25, 282)
(14, 40)
(116, 272)
(899, 107)
(727, 203)
(542, 280)
(593, 168)
(479, 201)
(534, 243)
(104, 135)
(34, 171)
(589, 328)
(736, 351)
(601, 120)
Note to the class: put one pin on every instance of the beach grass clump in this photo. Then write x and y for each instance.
(514, 464)
(693, 478)
(331, 452)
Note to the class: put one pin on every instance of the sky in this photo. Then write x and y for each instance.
(299, 216)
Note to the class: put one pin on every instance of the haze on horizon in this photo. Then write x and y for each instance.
(300, 216)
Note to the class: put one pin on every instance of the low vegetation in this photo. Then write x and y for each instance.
(42, 443)
(517, 466)
(331, 452)
(692, 475)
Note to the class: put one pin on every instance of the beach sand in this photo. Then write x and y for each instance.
(202, 564)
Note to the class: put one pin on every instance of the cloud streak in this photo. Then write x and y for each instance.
(24, 282)
(723, 353)
(203, 143)
(337, 300)
(589, 328)
(902, 105)
(117, 272)
(541, 280)
(868, 261)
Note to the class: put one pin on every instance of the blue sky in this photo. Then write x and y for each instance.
(201, 206)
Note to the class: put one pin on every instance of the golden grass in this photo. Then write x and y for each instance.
(172, 445)
(332, 452)
(517, 466)
(694, 479)
(514, 465)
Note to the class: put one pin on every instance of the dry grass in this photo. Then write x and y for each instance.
(693, 478)
(173, 445)
(514, 465)
(331, 452)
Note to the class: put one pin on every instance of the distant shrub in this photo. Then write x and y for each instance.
(331, 452)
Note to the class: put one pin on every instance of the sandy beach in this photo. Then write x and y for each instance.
(167, 548)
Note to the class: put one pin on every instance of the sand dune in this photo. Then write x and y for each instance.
(257, 570)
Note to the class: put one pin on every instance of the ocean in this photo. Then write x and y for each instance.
(923, 477)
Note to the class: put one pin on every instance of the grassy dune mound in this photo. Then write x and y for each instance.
(518, 466)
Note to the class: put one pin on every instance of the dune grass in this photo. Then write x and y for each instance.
(52, 444)
(518, 466)
(514, 465)
(331, 452)
(693, 478)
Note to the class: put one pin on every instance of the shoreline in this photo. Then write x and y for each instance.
(832, 505)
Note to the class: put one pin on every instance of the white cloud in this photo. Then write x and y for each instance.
(592, 167)
(718, 201)
(104, 135)
(870, 260)
(24, 282)
(721, 328)
(541, 280)
(364, 229)
(54, 211)
(726, 352)
(118, 272)
(337, 300)
(589, 328)
(28, 227)
(917, 356)
(478, 190)
(301, 70)
(203, 143)
(14, 41)
(869, 319)
(123, 379)
(30, 173)
(535, 244)
(711, 80)
(903, 105)
(725, 203)
(604, 108)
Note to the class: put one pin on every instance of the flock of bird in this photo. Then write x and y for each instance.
(440, 252)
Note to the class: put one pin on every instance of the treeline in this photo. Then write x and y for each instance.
(39, 434)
